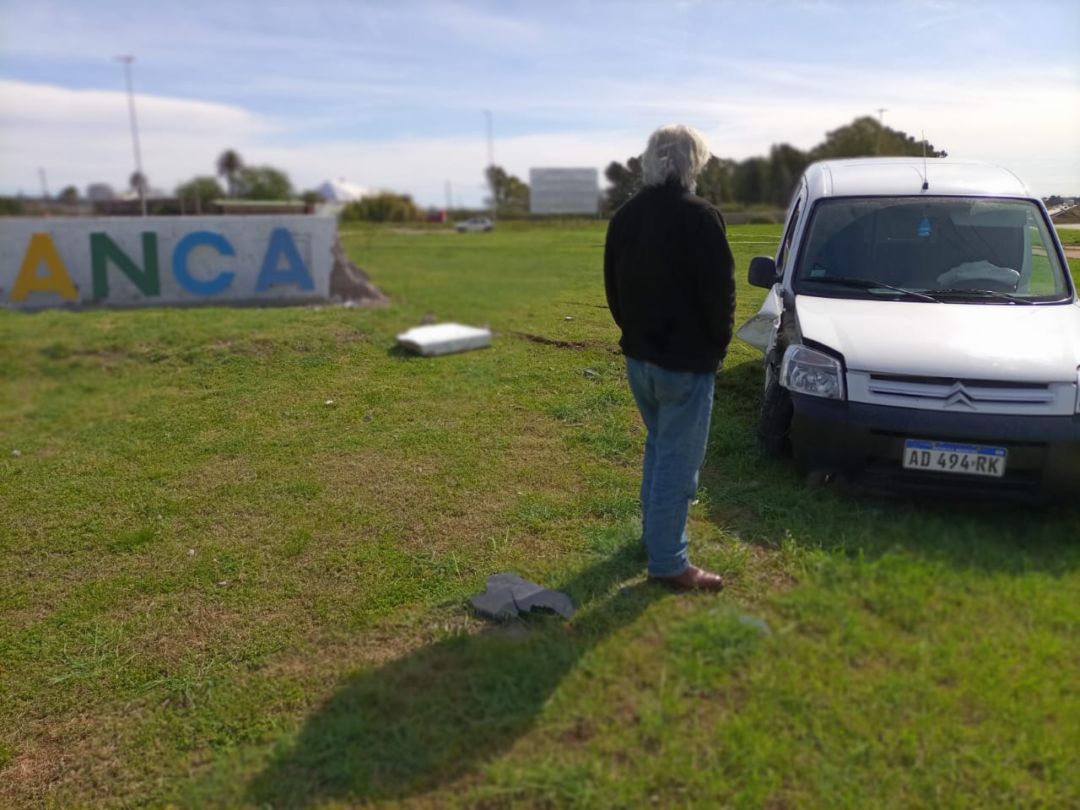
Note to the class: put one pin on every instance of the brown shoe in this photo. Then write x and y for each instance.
(693, 579)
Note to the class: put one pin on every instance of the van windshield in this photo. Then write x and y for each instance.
(954, 249)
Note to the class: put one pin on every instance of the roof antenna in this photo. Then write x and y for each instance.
(925, 175)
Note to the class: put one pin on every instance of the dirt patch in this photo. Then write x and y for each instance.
(107, 356)
(1072, 251)
(28, 776)
(564, 344)
(78, 754)
(546, 341)
(254, 347)
(223, 471)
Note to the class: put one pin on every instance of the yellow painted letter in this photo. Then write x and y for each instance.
(41, 249)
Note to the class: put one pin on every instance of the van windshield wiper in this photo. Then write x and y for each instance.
(960, 292)
(867, 284)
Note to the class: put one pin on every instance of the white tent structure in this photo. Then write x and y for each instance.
(341, 191)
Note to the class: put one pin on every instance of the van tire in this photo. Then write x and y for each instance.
(774, 422)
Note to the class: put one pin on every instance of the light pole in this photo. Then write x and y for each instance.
(127, 60)
(491, 165)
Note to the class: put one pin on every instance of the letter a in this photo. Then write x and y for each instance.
(42, 250)
(281, 244)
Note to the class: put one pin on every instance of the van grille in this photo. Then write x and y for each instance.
(956, 395)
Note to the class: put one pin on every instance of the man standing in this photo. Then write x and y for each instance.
(669, 276)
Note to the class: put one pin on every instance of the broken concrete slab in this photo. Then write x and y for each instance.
(444, 338)
(509, 596)
(350, 284)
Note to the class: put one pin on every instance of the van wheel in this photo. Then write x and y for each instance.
(774, 422)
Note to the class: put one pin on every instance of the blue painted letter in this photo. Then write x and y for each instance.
(180, 257)
(281, 243)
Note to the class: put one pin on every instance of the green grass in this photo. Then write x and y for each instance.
(218, 590)
(1069, 236)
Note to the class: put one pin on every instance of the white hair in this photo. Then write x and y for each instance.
(675, 153)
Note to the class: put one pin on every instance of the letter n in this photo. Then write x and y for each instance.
(103, 249)
(41, 250)
(282, 245)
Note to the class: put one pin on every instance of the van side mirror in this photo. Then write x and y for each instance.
(762, 272)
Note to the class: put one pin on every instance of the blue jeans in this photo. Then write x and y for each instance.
(676, 407)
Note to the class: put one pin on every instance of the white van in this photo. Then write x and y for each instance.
(921, 327)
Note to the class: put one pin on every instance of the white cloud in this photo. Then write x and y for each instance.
(1030, 123)
(84, 136)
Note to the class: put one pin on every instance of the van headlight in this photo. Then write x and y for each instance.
(808, 371)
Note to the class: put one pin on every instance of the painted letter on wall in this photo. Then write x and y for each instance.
(42, 250)
(180, 257)
(282, 245)
(102, 248)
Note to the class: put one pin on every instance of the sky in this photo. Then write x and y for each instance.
(394, 94)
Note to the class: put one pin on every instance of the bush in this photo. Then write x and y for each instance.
(10, 207)
(384, 207)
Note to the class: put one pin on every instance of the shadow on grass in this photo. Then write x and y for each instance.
(399, 352)
(768, 502)
(433, 716)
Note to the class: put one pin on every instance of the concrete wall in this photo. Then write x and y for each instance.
(165, 261)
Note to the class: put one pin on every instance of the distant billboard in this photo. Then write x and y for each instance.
(563, 191)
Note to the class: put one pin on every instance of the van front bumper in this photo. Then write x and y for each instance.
(867, 441)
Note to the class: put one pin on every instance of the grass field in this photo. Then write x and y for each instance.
(1069, 236)
(236, 545)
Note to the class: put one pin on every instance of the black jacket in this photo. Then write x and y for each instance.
(670, 281)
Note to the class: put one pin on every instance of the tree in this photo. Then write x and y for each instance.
(786, 165)
(263, 183)
(138, 182)
(770, 180)
(511, 194)
(750, 180)
(715, 183)
(70, 194)
(865, 137)
(229, 165)
(200, 192)
(625, 181)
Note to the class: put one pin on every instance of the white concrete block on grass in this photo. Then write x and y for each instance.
(444, 338)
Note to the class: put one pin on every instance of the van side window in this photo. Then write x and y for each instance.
(781, 257)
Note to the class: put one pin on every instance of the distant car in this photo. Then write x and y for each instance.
(475, 224)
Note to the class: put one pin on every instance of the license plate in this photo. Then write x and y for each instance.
(949, 457)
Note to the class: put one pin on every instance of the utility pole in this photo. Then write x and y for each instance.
(881, 120)
(127, 60)
(44, 185)
(491, 163)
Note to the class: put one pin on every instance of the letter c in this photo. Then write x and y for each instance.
(180, 258)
